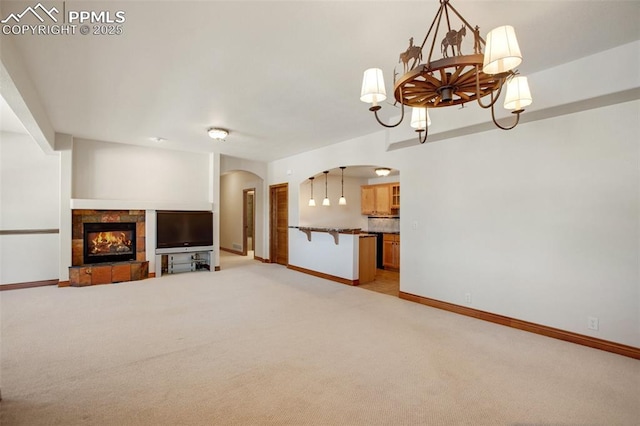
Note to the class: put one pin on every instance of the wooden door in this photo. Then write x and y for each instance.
(279, 224)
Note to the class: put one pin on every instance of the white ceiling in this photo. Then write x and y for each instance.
(283, 77)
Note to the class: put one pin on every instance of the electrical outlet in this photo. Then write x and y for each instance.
(593, 323)
(467, 298)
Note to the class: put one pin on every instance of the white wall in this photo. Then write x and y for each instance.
(295, 170)
(539, 223)
(261, 198)
(29, 200)
(111, 171)
(232, 185)
(111, 176)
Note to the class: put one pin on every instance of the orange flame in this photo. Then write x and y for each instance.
(106, 242)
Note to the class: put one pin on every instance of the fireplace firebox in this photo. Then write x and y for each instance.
(109, 242)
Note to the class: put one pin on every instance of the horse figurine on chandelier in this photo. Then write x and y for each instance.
(453, 39)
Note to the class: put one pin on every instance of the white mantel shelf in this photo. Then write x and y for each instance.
(95, 204)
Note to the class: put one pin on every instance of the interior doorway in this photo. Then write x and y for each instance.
(279, 224)
(248, 221)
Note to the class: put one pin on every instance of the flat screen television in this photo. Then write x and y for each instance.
(184, 229)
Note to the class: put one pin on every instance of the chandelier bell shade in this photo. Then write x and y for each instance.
(373, 90)
(326, 201)
(383, 171)
(518, 94)
(218, 134)
(312, 202)
(420, 118)
(501, 53)
(455, 78)
(342, 201)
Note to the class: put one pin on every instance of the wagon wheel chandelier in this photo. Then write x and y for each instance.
(454, 79)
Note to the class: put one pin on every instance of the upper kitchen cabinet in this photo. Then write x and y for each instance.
(378, 199)
(395, 195)
(367, 199)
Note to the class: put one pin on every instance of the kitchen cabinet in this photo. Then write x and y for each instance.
(367, 259)
(367, 199)
(377, 199)
(395, 195)
(391, 251)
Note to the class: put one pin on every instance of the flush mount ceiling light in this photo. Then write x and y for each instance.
(455, 79)
(383, 171)
(217, 133)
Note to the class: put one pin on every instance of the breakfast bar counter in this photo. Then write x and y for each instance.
(327, 252)
(331, 231)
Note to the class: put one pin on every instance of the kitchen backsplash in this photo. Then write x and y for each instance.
(383, 224)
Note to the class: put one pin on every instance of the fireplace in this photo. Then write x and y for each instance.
(109, 242)
(107, 246)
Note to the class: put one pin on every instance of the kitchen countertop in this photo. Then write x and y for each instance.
(328, 229)
(383, 232)
(334, 232)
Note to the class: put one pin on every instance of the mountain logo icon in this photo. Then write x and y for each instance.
(38, 11)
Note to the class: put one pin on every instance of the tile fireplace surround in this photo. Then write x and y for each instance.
(79, 217)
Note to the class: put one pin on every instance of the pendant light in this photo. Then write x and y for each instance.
(342, 201)
(326, 201)
(312, 202)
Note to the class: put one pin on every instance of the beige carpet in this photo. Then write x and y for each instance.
(258, 344)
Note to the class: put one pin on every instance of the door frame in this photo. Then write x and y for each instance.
(245, 223)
